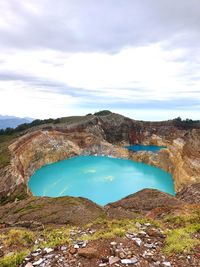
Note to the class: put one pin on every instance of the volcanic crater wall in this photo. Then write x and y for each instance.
(104, 135)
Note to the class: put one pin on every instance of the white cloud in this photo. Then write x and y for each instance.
(61, 58)
(132, 74)
(15, 99)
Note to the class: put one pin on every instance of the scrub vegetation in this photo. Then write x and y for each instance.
(5, 141)
(181, 237)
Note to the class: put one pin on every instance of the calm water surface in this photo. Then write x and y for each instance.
(145, 148)
(101, 179)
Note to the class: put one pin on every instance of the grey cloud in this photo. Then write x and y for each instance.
(106, 25)
(45, 85)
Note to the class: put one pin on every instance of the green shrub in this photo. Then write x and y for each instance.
(13, 260)
(181, 240)
(19, 237)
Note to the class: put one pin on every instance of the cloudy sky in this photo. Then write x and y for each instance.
(140, 58)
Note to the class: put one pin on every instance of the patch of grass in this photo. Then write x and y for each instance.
(125, 223)
(115, 228)
(181, 240)
(55, 237)
(13, 260)
(106, 234)
(18, 238)
(183, 220)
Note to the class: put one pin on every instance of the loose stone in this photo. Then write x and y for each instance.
(38, 262)
(150, 246)
(137, 241)
(87, 252)
(129, 261)
(113, 260)
(48, 250)
(166, 264)
(63, 248)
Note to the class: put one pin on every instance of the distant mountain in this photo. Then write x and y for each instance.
(12, 122)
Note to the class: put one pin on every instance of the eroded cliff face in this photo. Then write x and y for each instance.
(104, 135)
(181, 158)
(42, 147)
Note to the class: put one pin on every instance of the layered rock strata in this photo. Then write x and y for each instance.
(105, 135)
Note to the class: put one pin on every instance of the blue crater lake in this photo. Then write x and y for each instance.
(101, 179)
(150, 148)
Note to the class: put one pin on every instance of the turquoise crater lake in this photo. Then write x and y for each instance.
(150, 148)
(101, 179)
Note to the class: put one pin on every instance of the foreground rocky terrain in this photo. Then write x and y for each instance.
(148, 228)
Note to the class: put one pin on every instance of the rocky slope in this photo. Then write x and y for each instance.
(146, 229)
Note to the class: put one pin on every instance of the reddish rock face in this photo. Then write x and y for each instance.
(190, 194)
(133, 138)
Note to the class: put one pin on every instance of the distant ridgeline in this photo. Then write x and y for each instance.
(187, 123)
(178, 122)
(26, 126)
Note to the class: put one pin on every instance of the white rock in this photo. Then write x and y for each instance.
(150, 246)
(166, 264)
(29, 265)
(84, 245)
(147, 254)
(63, 248)
(129, 261)
(35, 254)
(137, 241)
(38, 262)
(76, 246)
(113, 260)
(49, 256)
(48, 250)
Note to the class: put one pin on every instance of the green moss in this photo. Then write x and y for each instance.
(106, 234)
(124, 223)
(182, 240)
(18, 238)
(13, 260)
(115, 228)
(183, 220)
(55, 237)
